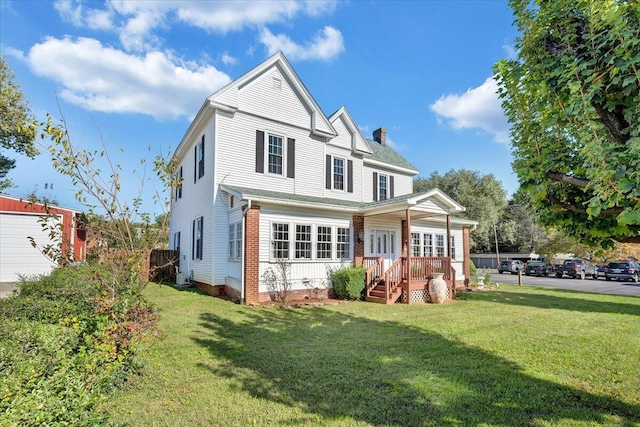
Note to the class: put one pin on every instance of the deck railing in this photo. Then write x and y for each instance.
(393, 277)
(423, 268)
(373, 274)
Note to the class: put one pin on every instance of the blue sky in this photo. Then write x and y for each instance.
(133, 74)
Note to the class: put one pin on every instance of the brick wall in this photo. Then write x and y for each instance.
(252, 255)
(358, 246)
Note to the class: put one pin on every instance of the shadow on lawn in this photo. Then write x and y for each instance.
(338, 366)
(554, 299)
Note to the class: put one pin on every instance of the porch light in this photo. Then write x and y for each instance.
(360, 236)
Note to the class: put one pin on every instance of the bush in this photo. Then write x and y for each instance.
(472, 268)
(348, 282)
(65, 341)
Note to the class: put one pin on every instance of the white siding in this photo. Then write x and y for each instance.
(314, 270)
(196, 201)
(344, 138)
(262, 98)
(403, 183)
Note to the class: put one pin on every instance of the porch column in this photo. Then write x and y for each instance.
(407, 243)
(466, 254)
(449, 237)
(358, 246)
(251, 255)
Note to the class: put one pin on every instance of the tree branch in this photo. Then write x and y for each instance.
(614, 121)
(567, 206)
(561, 177)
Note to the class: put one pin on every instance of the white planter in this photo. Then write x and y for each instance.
(438, 289)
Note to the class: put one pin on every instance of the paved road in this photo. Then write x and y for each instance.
(589, 285)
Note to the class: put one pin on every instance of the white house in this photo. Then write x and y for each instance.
(266, 175)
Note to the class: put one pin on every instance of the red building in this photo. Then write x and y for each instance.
(21, 220)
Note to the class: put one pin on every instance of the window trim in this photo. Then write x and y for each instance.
(199, 163)
(415, 244)
(386, 188)
(440, 248)
(333, 173)
(345, 252)
(308, 243)
(283, 155)
(198, 239)
(272, 241)
(452, 255)
(326, 249)
(429, 246)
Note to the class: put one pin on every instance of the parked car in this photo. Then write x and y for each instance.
(511, 266)
(601, 270)
(538, 268)
(577, 268)
(622, 270)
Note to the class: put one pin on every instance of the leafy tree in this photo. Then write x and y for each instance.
(572, 98)
(17, 124)
(482, 195)
(518, 228)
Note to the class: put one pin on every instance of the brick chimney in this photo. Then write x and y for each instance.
(380, 136)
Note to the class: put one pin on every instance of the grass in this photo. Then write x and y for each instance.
(509, 357)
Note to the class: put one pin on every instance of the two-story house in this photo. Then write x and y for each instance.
(266, 176)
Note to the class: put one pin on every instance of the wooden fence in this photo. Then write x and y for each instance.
(162, 265)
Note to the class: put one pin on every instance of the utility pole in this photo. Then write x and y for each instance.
(495, 235)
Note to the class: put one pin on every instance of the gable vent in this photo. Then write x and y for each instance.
(277, 83)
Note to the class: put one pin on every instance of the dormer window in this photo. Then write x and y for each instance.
(382, 187)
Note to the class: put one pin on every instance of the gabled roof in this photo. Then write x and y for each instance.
(385, 155)
(358, 141)
(433, 201)
(227, 96)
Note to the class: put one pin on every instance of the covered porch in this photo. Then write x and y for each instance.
(405, 276)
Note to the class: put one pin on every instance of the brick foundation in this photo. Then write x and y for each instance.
(300, 295)
(215, 290)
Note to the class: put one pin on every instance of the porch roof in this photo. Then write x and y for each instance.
(433, 203)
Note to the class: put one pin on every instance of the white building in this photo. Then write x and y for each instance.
(266, 175)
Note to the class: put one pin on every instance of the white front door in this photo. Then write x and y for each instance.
(383, 244)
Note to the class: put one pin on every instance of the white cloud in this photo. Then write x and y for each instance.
(228, 59)
(326, 45)
(101, 78)
(510, 51)
(477, 108)
(398, 147)
(137, 21)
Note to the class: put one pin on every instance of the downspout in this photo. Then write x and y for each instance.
(244, 247)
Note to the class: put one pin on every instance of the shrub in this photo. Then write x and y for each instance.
(472, 268)
(65, 341)
(348, 282)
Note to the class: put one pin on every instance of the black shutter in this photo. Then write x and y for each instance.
(328, 173)
(200, 246)
(350, 176)
(375, 186)
(391, 186)
(193, 239)
(201, 164)
(195, 163)
(291, 158)
(259, 151)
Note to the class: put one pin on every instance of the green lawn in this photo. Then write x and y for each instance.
(508, 357)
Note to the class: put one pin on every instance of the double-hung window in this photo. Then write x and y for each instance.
(198, 237)
(323, 244)
(235, 241)
(199, 160)
(415, 244)
(427, 245)
(343, 243)
(383, 186)
(176, 242)
(178, 183)
(439, 245)
(279, 241)
(276, 155)
(303, 241)
(453, 248)
(338, 173)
